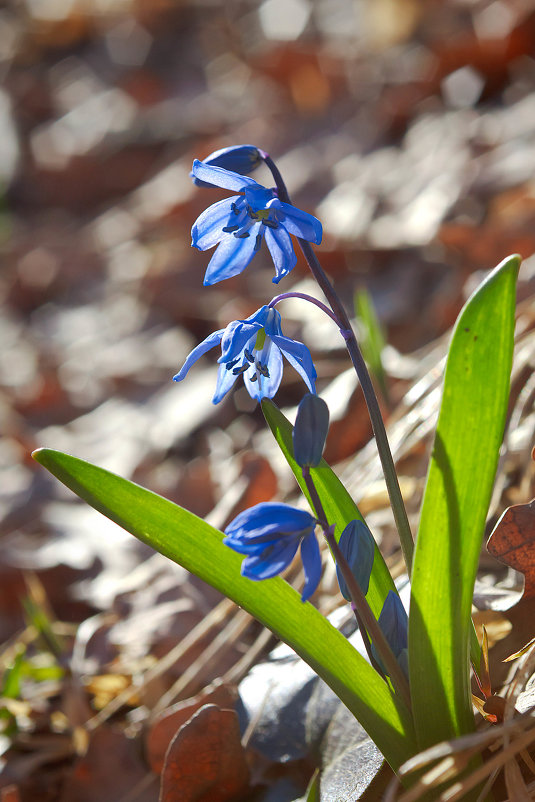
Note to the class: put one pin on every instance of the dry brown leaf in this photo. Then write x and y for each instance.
(166, 725)
(205, 761)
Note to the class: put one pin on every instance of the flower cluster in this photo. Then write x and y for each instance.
(269, 534)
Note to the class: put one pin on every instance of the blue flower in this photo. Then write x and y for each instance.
(270, 534)
(240, 223)
(253, 348)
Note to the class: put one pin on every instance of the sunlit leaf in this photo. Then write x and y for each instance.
(457, 495)
(194, 544)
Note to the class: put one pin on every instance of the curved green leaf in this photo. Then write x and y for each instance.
(457, 495)
(191, 542)
(339, 507)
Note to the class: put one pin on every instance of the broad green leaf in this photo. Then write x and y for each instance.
(339, 507)
(457, 495)
(198, 547)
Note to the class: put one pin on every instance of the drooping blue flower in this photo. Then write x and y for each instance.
(270, 534)
(253, 348)
(242, 159)
(239, 224)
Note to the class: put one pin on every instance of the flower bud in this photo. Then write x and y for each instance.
(394, 625)
(358, 547)
(310, 430)
(242, 159)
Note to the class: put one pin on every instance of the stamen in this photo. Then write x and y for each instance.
(244, 235)
(234, 208)
(262, 369)
(248, 355)
(258, 242)
(254, 378)
(270, 223)
(230, 365)
(238, 371)
(230, 229)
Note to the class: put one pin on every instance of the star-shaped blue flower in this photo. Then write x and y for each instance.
(239, 224)
(253, 348)
(270, 534)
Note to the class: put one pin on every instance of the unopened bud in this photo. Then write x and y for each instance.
(358, 547)
(310, 430)
(394, 625)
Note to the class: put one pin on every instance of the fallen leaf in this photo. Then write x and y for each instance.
(205, 761)
(165, 726)
(513, 542)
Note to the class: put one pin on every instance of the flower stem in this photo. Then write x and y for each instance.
(365, 617)
(304, 297)
(378, 426)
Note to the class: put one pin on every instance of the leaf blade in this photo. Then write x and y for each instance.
(186, 539)
(457, 494)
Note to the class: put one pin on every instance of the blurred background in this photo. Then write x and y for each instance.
(408, 128)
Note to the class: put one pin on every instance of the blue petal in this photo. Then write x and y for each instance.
(236, 339)
(310, 554)
(299, 223)
(282, 251)
(274, 559)
(250, 547)
(259, 197)
(272, 322)
(231, 257)
(219, 177)
(207, 230)
(241, 159)
(210, 342)
(283, 517)
(261, 316)
(265, 386)
(225, 380)
(299, 358)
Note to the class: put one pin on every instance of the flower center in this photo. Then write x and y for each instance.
(253, 358)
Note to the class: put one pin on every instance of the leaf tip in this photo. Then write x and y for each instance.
(513, 262)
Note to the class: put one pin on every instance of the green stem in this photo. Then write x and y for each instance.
(378, 426)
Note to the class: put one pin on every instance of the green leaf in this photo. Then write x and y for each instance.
(339, 507)
(457, 495)
(191, 542)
